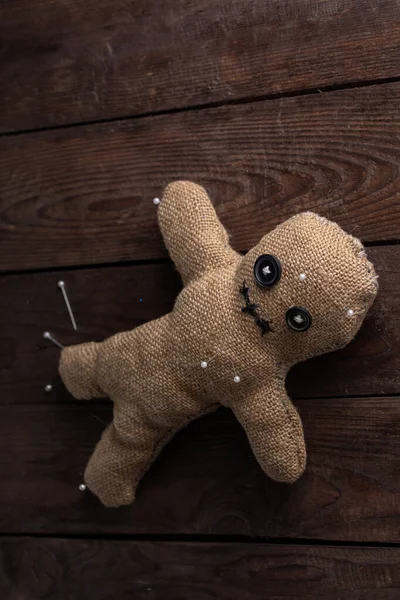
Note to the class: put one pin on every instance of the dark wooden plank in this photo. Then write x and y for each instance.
(206, 481)
(84, 195)
(109, 300)
(81, 60)
(61, 569)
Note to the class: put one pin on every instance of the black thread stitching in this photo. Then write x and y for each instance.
(251, 309)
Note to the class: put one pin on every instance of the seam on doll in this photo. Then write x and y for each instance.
(291, 422)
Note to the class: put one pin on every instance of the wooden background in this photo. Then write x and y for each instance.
(275, 106)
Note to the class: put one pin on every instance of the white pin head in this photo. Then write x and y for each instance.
(350, 312)
(61, 284)
(156, 201)
(302, 276)
(236, 379)
(203, 364)
(48, 387)
(47, 335)
(82, 487)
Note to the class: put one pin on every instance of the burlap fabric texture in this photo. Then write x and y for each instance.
(154, 376)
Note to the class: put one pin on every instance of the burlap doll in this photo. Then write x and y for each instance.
(237, 327)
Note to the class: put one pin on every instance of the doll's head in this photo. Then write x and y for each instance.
(307, 285)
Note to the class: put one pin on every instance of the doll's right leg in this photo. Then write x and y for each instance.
(78, 366)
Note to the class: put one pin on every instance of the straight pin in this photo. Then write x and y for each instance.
(61, 285)
(47, 336)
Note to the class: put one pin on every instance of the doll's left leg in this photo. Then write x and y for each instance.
(115, 467)
(125, 452)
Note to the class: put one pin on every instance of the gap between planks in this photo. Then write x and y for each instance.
(201, 539)
(207, 105)
(141, 262)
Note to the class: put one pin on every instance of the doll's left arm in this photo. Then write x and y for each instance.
(193, 234)
(274, 430)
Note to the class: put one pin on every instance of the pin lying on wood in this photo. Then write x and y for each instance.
(61, 285)
(47, 336)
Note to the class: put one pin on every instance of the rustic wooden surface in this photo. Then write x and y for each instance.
(80, 60)
(84, 195)
(207, 481)
(64, 569)
(276, 107)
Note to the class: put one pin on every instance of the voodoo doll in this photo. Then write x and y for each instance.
(236, 328)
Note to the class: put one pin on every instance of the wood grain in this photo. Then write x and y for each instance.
(84, 195)
(108, 300)
(72, 61)
(206, 481)
(61, 569)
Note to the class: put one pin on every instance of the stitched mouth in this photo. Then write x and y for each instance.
(251, 309)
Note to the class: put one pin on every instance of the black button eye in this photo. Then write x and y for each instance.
(298, 318)
(267, 270)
